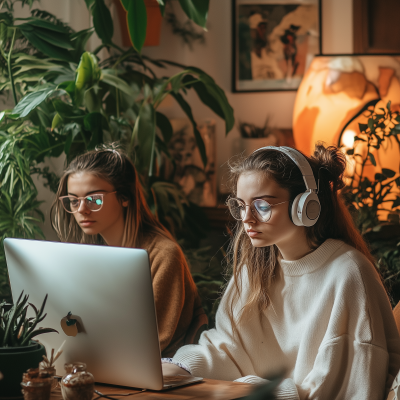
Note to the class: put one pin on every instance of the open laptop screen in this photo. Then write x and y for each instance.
(108, 290)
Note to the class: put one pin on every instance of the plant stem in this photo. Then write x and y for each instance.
(10, 69)
(117, 101)
(122, 57)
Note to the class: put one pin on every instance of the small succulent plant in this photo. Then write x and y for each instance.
(16, 329)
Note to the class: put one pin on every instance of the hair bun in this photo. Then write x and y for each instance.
(332, 160)
(114, 147)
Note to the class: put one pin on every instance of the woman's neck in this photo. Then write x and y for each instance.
(115, 234)
(295, 248)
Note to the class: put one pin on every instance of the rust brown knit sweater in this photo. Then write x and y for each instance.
(175, 293)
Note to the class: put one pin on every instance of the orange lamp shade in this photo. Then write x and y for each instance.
(335, 90)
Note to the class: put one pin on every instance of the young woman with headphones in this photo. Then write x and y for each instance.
(305, 296)
(100, 201)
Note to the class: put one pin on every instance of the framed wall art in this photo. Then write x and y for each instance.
(274, 41)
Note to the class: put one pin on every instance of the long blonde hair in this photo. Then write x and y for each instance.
(116, 168)
(335, 221)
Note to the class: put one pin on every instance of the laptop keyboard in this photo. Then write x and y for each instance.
(179, 380)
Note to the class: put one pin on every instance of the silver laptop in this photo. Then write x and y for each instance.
(108, 292)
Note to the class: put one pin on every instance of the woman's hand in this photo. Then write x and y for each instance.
(172, 370)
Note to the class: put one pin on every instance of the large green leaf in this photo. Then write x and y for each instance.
(125, 4)
(31, 101)
(207, 90)
(146, 136)
(137, 22)
(54, 38)
(89, 3)
(33, 23)
(109, 78)
(47, 48)
(214, 97)
(68, 86)
(188, 111)
(25, 62)
(92, 123)
(165, 126)
(161, 3)
(196, 10)
(79, 41)
(67, 111)
(102, 21)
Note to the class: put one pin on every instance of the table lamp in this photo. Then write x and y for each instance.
(335, 93)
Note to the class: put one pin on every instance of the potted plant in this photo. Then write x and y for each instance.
(68, 101)
(18, 352)
(253, 137)
(141, 19)
(373, 193)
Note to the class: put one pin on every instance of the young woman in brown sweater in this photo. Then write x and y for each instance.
(100, 201)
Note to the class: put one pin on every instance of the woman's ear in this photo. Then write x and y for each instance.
(125, 203)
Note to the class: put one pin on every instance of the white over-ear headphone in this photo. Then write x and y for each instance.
(305, 208)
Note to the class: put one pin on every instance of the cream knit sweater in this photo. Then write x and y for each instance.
(330, 326)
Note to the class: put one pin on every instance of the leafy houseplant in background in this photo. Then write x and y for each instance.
(253, 137)
(136, 17)
(68, 101)
(374, 199)
(17, 350)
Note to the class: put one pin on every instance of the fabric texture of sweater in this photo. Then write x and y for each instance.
(330, 327)
(177, 302)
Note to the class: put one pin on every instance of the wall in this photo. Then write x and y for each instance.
(214, 57)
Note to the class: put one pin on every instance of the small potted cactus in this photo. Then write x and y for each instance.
(18, 352)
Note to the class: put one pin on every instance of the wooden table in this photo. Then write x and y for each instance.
(207, 389)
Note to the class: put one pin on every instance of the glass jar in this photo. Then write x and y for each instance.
(36, 385)
(77, 383)
(51, 371)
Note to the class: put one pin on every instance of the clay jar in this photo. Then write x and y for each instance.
(51, 371)
(77, 383)
(36, 385)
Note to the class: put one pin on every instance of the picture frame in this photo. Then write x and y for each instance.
(274, 41)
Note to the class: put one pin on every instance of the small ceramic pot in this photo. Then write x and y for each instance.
(36, 385)
(77, 383)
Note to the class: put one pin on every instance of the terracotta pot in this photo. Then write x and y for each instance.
(154, 21)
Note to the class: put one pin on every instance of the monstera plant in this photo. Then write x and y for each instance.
(67, 100)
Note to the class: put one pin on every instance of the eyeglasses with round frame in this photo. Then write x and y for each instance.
(260, 209)
(94, 202)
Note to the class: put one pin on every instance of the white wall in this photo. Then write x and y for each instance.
(337, 26)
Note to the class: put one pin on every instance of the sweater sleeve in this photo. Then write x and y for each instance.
(168, 274)
(347, 369)
(219, 354)
(343, 369)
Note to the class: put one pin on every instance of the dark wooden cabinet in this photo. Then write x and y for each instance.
(219, 217)
(376, 26)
